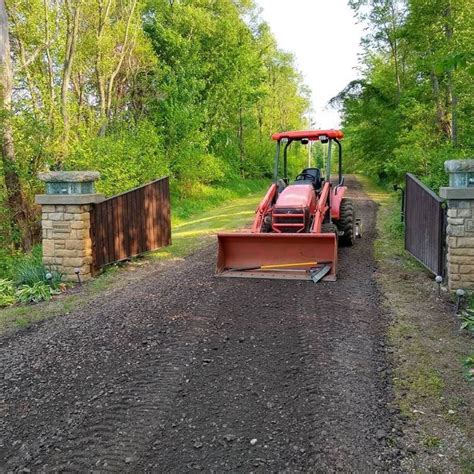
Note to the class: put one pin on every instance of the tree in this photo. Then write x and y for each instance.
(15, 198)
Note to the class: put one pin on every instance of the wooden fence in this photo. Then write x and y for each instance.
(131, 223)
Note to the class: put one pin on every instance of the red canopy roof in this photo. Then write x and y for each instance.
(309, 134)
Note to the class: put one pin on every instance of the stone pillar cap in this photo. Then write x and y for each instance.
(459, 166)
(68, 199)
(69, 176)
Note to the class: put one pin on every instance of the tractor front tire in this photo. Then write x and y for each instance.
(346, 224)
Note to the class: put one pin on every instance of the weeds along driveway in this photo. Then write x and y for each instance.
(179, 371)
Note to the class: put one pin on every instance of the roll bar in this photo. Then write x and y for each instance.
(328, 164)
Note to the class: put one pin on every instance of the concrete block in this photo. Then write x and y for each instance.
(75, 244)
(459, 259)
(464, 212)
(68, 199)
(453, 268)
(452, 213)
(455, 221)
(73, 262)
(71, 253)
(56, 216)
(455, 230)
(461, 252)
(77, 225)
(48, 247)
(462, 242)
(466, 269)
(459, 204)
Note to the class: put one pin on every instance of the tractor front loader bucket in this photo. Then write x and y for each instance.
(282, 256)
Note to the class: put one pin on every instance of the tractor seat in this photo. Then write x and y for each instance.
(310, 176)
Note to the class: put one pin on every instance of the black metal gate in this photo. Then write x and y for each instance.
(425, 225)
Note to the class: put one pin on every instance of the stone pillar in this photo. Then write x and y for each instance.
(66, 206)
(460, 229)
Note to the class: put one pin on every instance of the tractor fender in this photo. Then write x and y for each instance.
(337, 195)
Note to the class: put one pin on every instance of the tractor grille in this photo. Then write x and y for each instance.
(289, 220)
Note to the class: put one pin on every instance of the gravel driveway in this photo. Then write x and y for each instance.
(181, 371)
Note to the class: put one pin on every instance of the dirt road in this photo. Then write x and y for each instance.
(181, 371)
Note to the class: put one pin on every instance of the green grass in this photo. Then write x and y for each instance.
(198, 198)
(427, 348)
(190, 234)
(190, 231)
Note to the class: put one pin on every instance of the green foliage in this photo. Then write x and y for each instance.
(191, 200)
(126, 158)
(30, 270)
(468, 365)
(432, 441)
(7, 293)
(25, 279)
(35, 293)
(191, 88)
(412, 108)
(467, 320)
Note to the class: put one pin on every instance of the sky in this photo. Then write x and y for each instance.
(325, 38)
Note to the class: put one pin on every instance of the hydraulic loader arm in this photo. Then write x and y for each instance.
(263, 208)
(321, 209)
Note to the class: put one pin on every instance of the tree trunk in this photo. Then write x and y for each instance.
(123, 52)
(441, 118)
(103, 19)
(241, 143)
(15, 199)
(451, 95)
(52, 96)
(72, 28)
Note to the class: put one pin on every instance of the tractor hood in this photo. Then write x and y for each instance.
(296, 195)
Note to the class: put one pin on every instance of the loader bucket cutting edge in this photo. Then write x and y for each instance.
(242, 255)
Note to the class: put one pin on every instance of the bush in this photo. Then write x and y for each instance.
(35, 293)
(7, 293)
(467, 320)
(30, 270)
(468, 364)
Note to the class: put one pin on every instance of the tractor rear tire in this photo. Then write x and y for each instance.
(346, 224)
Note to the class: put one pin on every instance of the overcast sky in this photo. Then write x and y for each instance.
(325, 39)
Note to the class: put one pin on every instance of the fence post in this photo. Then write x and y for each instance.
(66, 206)
(460, 229)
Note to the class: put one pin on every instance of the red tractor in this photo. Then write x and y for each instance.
(298, 225)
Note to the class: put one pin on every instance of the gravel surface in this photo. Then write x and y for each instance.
(181, 371)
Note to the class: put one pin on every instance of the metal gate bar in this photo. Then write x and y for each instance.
(425, 225)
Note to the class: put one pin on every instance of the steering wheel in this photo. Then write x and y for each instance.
(304, 176)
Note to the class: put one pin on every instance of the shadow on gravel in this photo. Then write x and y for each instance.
(181, 371)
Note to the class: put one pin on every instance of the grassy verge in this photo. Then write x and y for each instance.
(228, 209)
(430, 389)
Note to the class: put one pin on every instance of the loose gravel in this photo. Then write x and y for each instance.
(180, 371)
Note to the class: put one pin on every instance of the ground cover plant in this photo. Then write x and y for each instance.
(24, 279)
(432, 356)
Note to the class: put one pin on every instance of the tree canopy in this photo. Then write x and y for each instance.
(412, 107)
(140, 88)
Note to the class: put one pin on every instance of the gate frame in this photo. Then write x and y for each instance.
(442, 250)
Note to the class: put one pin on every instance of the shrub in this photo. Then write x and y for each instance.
(39, 291)
(468, 364)
(30, 270)
(467, 320)
(7, 293)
